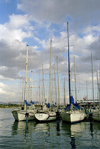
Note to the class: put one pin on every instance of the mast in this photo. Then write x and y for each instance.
(50, 75)
(42, 84)
(75, 80)
(39, 86)
(69, 72)
(87, 89)
(97, 86)
(55, 85)
(43, 89)
(22, 90)
(99, 72)
(58, 84)
(64, 91)
(26, 75)
(92, 78)
(31, 85)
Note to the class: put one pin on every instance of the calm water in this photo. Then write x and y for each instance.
(15, 135)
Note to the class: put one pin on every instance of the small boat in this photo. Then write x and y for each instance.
(20, 115)
(44, 114)
(42, 117)
(96, 114)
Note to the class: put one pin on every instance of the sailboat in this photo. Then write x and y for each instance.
(47, 114)
(73, 112)
(96, 115)
(96, 111)
(28, 109)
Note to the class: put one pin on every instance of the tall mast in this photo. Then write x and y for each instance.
(31, 85)
(69, 75)
(39, 86)
(58, 84)
(99, 71)
(92, 78)
(22, 89)
(75, 80)
(97, 86)
(42, 82)
(87, 89)
(50, 74)
(42, 85)
(64, 91)
(55, 85)
(26, 75)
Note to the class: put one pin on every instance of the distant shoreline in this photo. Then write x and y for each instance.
(9, 106)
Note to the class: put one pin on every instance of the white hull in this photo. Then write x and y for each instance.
(19, 115)
(50, 116)
(96, 116)
(73, 116)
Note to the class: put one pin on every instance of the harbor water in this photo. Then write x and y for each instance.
(33, 135)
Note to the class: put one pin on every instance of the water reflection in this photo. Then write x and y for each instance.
(24, 132)
(43, 129)
(40, 134)
(44, 135)
(96, 125)
(91, 128)
(47, 135)
(73, 145)
(73, 130)
(26, 129)
(22, 127)
(58, 128)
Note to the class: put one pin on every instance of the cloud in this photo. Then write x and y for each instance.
(18, 21)
(17, 28)
(12, 47)
(8, 93)
(56, 11)
(4, 89)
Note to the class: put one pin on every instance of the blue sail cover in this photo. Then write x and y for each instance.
(32, 102)
(28, 104)
(76, 107)
(54, 105)
(71, 100)
(48, 105)
(68, 107)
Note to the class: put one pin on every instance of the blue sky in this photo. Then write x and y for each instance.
(7, 8)
(35, 22)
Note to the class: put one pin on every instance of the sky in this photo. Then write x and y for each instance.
(35, 23)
